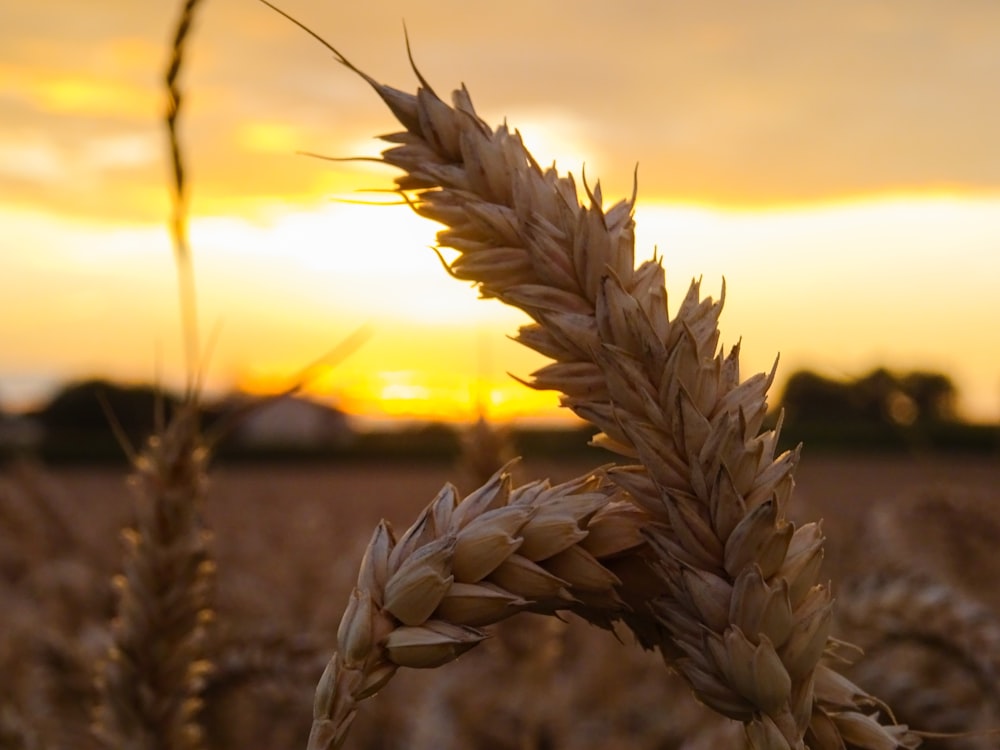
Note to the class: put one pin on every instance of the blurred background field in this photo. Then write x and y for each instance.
(882, 411)
(288, 538)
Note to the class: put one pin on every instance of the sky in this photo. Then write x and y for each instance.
(837, 163)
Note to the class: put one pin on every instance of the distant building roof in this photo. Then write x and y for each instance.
(294, 422)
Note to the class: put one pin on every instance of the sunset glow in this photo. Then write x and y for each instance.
(873, 241)
(281, 293)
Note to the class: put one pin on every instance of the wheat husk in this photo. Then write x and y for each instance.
(150, 684)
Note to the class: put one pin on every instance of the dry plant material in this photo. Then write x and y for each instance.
(747, 620)
(484, 447)
(422, 600)
(15, 733)
(179, 202)
(150, 684)
(257, 693)
(930, 649)
(31, 520)
(527, 650)
(55, 609)
(589, 694)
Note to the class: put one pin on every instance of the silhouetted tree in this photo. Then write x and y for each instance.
(809, 397)
(933, 394)
(871, 394)
(85, 409)
(877, 398)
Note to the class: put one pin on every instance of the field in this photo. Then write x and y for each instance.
(288, 540)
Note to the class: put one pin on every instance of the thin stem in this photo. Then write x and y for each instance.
(179, 198)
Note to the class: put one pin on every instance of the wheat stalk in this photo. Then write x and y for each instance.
(150, 684)
(179, 196)
(748, 620)
(421, 601)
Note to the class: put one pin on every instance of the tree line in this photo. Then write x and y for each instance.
(880, 409)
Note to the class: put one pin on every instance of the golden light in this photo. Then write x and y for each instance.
(447, 397)
(418, 394)
(838, 289)
(66, 93)
(370, 262)
(554, 137)
(401, 388)
(268, 137)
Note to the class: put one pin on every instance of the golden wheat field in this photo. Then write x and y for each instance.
(287, 541)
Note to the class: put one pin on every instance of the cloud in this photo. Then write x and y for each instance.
(61, 92)
(35, 161)
(725, 103)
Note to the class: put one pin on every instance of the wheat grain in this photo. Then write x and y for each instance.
(150, 684)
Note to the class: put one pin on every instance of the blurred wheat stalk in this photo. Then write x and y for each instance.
(150, 685)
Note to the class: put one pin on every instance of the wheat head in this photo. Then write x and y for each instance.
(422, 600)
(744, 616)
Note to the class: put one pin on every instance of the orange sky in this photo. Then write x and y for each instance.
(836, 162)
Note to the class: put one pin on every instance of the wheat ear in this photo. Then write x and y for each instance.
(421, 601)
(150, 684)
(748, 620)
